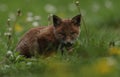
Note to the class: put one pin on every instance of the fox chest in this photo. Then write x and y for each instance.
(47, 46)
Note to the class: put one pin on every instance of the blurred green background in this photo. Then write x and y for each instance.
(100, 57)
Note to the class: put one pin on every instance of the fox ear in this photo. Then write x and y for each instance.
(76, 20)
(56, 20)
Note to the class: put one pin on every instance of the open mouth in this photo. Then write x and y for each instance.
(68, 44)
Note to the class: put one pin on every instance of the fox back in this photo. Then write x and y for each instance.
(47, 39)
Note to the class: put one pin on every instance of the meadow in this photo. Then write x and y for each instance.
(96, 52)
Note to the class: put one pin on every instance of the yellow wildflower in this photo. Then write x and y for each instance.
(105, 65)
(18, 28)
(114, 51)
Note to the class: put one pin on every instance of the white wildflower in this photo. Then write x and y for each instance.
(35, 23)
(9, 52)
(108, 4)
(37, 17)
(29, 19)
(72, 7)
(9, 19)
(50, 8)
(12, 16)
(77, 2)
(7, 33)
(9, 29)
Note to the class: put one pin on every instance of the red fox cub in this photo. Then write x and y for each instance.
(48, 39)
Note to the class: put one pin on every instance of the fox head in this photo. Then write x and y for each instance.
(68, 30)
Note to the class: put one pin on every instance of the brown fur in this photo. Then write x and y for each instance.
(47, 39)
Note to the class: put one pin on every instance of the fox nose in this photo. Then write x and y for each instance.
(68, 41)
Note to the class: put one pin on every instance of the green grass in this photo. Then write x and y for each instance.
(94, 58)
